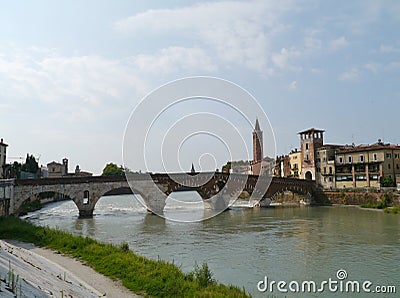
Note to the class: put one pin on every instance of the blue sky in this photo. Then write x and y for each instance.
(72, 71)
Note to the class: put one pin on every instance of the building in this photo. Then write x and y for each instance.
(282, 166)
(3, 157)
(240, 167)
(310, 140)
(295, 163)
(80, 173)
(367, 165)
(325, 166)
(57, 170)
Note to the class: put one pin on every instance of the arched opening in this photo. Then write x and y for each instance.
(184, 205)
(308, 175)
(119, 201)
(86, 197)
(46, 204)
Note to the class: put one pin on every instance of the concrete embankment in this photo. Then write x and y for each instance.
(30, 271)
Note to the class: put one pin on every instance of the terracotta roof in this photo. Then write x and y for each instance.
(364, 147)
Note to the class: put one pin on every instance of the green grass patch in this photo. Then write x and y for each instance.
(394, 210)
(380, 205)
(140, 275)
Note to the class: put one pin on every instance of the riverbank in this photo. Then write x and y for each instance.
(136, 273)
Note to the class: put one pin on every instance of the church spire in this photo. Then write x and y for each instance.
(192, 170)
(257, 127)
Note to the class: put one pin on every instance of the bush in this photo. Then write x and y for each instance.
(203, 275)
(124, 247)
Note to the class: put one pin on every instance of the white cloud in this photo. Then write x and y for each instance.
(293, 85)
(173, 59)
(373, 67)
(386, 49)
(352, 74)
(284, 59)
(236, 32)
(84, 85)
(338, 43)
(376, 67)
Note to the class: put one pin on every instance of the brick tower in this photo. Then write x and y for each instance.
(310, 140)
(257, 143)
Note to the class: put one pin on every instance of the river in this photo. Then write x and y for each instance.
(242, 246)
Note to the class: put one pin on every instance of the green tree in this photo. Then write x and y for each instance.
(226, 168)
(111, 169)
(387, 181)
(30, 165)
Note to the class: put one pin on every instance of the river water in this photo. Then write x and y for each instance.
(242, 246)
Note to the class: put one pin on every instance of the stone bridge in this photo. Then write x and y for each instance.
(216, 189)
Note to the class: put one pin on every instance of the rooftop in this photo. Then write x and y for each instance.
(366, 147)
(311, 130)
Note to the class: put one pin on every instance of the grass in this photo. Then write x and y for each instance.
(138, 274)
(380, 205)
(394, 210)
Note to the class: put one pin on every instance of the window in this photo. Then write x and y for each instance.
(307, 146)
(350, 159)
(330, 170)
(389, 166)
(375, 156)
(397, 166)
(361, 177)
(344, 178)
(388, 155)
(361, 158)
(324, 170)
(86, 197)
(330, 179)
(340, 159)
(373, 177)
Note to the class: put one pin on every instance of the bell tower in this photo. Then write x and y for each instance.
(257, 143)
(310, 140)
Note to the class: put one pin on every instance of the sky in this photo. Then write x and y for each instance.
(72, 72)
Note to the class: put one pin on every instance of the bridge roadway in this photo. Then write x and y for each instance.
(216, 189)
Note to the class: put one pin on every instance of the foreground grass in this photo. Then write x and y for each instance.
(141, 275)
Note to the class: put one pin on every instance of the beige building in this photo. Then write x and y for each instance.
(295, 163)
(3, 155)
(366, 165)
(57, 170)
(325, 166)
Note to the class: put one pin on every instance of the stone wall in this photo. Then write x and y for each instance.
(356, 197)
